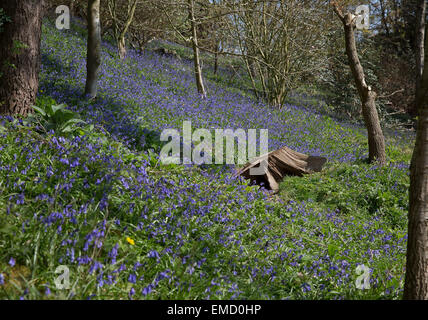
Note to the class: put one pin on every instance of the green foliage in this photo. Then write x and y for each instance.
(3, 18)
(303, 233)
(337, 83)
(18, 46)
(361, 189)
(56, 117)
(216, 240)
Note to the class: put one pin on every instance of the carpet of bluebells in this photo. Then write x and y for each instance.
(128, 227)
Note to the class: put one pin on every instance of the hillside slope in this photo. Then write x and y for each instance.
(129, 227)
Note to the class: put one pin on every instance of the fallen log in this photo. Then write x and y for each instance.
(269, 169)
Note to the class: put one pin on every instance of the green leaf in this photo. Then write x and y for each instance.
(73, 121)
(56, 108)
(49, 110)
(332, 249)
(39, 110)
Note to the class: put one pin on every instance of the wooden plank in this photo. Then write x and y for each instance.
(282, 162)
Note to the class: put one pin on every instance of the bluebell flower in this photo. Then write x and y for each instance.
(12, 262)
(147, 290)
(131, 293)
(306, 287)
(132, 278)
(153, 254)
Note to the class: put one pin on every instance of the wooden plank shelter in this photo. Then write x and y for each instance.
(280, 163)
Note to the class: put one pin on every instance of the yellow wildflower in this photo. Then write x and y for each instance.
(130, 241)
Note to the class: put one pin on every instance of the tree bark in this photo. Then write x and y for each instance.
(93, 58)
(416, 280)
(196, 58)
(383, 18)
(121, 48)
(71, 6)
(215, 62)
(408, 12)
(20, 55)
(376, 139)
(121, 44)
(419, 47)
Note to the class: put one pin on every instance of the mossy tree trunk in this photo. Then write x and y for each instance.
(20, 55)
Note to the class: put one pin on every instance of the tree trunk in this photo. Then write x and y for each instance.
(121, 48)
(408, 12)
(196, 59)
(121, 45)
(384, 16)
(376, 139)
(416, 281)
(215, 62)
(395, 18)
(72, 13)
(20, 55)
(93, 58)
(419, 47)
